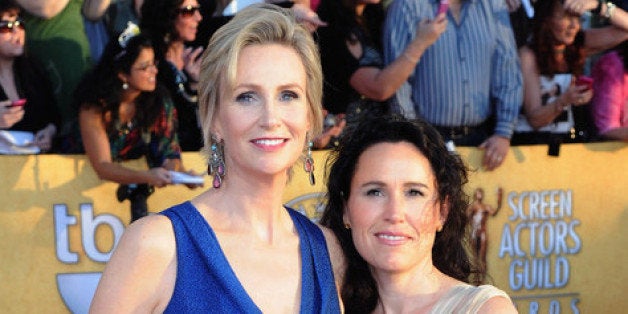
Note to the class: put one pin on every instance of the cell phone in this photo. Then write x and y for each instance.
(17, 103)
(442, 7)
(584, 80)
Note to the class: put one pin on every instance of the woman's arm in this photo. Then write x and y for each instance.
(46, 9)
(98, 151)
(599, 39)
(93, 10)
(381, 84)
(140, 276)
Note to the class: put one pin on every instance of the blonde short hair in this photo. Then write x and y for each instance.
(257, 24)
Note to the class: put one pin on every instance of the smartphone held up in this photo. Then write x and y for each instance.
(442, 7)
(584, 80)
(17, 103)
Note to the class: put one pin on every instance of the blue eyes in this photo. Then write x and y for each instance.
(288, 96)
(248, 97)
(245, 97)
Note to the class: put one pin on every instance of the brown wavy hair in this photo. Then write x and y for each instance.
(449, 254)
(543, 40)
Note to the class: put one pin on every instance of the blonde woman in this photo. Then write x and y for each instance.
(235, 248)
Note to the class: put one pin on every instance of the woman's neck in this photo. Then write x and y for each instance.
(175, 54)
(359, 9)
(558, 49)
(7, 78)
(6, 66)
(246, 203)
(414, 291)
(129, 96)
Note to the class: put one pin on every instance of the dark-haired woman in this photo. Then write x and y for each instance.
(551, 63)
(124, 114)
(171, 24)
(21, 77)
(357, 83)
(397, 206)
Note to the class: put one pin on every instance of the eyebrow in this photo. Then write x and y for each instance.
(381, 183)
(280, 87)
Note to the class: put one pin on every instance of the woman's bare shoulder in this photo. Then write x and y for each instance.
(141, 272)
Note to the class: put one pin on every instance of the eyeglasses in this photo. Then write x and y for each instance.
(146, 66)
(8, 26)
(188, 11)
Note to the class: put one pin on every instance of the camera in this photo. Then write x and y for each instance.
(129, 191)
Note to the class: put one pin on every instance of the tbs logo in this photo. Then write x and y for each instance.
(77, 289)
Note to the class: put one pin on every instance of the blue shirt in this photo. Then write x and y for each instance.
(471, 72)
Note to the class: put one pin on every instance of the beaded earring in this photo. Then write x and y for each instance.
(125, 85)
(216, 166)
(308, 163)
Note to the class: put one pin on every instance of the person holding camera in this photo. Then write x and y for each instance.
(124, 114)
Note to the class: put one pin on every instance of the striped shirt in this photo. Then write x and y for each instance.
(470, 73)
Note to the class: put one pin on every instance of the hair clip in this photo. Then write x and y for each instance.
(129, 32)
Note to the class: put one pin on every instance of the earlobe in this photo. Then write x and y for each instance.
(215, 132)
(123, 77)
(444, 212)
(345, 219)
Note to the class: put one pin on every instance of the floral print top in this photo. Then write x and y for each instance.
(158, 143)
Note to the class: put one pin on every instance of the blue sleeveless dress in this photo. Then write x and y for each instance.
(206, 282)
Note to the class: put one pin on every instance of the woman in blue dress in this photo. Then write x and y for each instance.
(235, 248)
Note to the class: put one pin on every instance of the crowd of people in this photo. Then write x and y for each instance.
(475, 76)
(389, 87)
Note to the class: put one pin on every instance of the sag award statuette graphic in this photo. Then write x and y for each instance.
(478, 214)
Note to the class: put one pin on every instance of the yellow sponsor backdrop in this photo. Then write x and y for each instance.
(59, 222)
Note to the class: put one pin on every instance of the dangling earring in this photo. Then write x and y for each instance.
(216, 166)
(125, 85)
(308, 163)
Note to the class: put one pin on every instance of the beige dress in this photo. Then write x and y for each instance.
(466, 299)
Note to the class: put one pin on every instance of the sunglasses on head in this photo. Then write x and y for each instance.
(8, 26)
(188, 11)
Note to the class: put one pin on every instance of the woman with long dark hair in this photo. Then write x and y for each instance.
(357, 83)
(23, 78)
(397, 206)
(171, 24)
(124, 114)
(553, 61)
